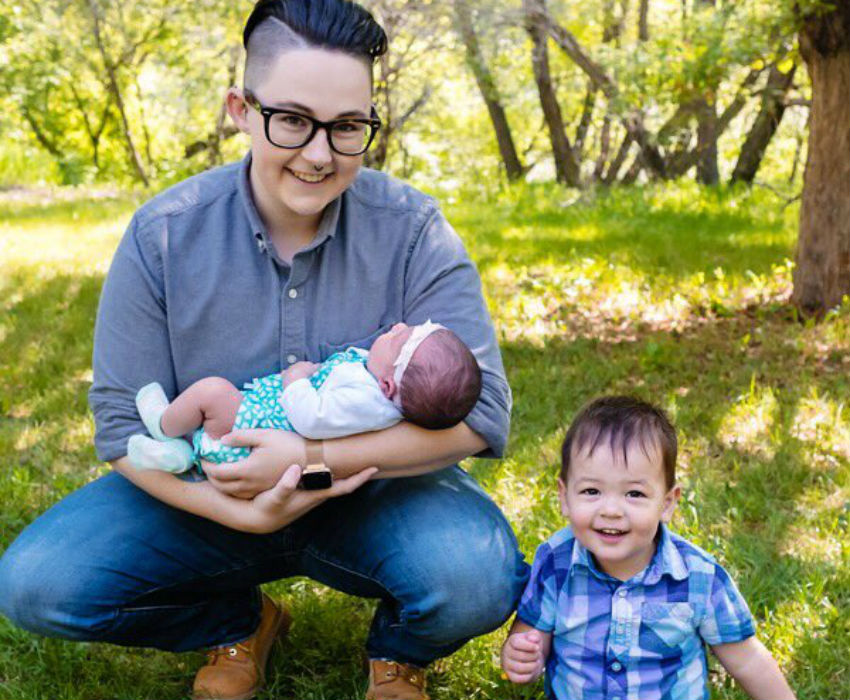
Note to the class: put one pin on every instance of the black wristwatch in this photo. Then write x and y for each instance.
(316, 474)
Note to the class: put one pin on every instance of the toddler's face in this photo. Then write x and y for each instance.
(615, 506)
(385, 350)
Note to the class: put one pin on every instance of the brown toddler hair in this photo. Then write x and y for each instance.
(442, 382)
(620, 420)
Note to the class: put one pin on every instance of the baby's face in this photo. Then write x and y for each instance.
(616, 506)
(385, 350)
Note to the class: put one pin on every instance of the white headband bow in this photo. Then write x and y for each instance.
(414, 341)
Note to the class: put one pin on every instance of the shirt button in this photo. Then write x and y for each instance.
(293, 293)
(616, 666)
(291, 359)
(623, 593)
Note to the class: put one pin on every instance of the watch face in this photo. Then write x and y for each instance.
(315, 480)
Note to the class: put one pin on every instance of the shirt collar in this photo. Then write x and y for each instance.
(666, 561)
(327, 225)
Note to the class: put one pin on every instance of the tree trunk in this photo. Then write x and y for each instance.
(706, 113)
(633, 123)
(643, 20)
(114, 89)
(487, 86)
(822, 272)
(622, 153)
(707, 172)
(765, 125)
(376, 157)
(566, 166)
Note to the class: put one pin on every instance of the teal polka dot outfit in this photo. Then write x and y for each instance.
(261, 408)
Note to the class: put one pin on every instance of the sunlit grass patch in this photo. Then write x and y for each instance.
(671, 292)
(821, 421)
(749, 422)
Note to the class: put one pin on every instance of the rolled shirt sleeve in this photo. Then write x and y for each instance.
(442, 284)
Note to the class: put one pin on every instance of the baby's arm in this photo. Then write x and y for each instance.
(524, 652)
(753, 666)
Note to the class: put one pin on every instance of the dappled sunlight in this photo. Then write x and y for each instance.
(748, 424)
(517, 495)
(794, 621)
(589, 297)
(812, 545)
(29, 437)
(819, 421)
(77, 434)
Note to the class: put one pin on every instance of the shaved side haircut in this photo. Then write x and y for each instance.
(277, 26)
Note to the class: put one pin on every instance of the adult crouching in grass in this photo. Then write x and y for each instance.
(286, 256)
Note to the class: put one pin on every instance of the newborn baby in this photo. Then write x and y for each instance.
(424, 374)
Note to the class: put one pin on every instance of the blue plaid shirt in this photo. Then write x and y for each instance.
(640, 639)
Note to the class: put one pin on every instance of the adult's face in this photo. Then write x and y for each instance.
(296, 184)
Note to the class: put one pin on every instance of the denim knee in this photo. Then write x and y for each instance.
(470, 589)
(40, 597)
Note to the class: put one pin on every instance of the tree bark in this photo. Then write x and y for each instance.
(487, 86)
(566, 166)
(822, 271)
(707, 135)
(765, 125)
(622, 153)
(707, 171)
(643, 20)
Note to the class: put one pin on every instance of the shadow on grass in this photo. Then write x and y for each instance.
(744, 506)
(45, 426)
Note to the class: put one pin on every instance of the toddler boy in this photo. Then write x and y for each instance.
(618, 606)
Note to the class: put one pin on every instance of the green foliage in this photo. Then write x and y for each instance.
(675, 293)
(173, 61)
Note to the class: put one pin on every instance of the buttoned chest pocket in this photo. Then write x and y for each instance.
(665, 627)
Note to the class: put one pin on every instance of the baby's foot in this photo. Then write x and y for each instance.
(151, 403)
(174, 455)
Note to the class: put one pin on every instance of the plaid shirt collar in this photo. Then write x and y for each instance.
(666, 561)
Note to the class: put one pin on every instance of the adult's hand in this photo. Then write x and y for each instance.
(272, 452)
(284, 502)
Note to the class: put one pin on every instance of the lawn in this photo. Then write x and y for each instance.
(674, 293)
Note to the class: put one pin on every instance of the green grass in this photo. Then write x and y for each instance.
(674, 293)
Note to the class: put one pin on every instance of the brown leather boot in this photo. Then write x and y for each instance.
(389, 680)
(237, 671)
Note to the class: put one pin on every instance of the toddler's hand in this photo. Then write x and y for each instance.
(300, 370)
(522, 656)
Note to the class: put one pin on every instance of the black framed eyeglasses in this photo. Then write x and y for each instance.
(287, 129)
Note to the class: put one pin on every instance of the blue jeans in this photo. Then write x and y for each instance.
(111, 564)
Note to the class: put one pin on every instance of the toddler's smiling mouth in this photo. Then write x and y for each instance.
(610, 534)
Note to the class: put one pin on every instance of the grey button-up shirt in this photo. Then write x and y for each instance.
(195, 290)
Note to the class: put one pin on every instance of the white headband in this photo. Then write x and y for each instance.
(414, 341)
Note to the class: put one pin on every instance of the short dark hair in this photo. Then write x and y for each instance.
(441, 385)
(620, 420)
(332, 24)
